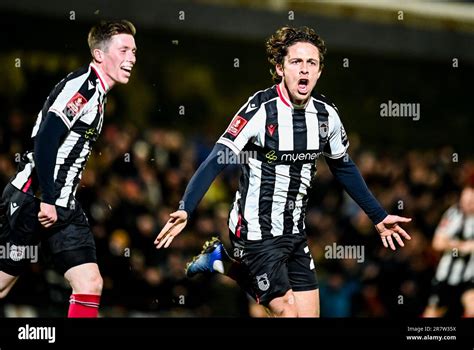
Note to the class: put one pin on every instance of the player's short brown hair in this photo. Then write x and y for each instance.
(100, 34)
(277, 45)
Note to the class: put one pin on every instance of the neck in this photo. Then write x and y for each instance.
(105, 80)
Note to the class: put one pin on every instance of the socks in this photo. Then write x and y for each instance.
(83, 306)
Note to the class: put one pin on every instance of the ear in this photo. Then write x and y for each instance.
(279, 69)
(98, 55)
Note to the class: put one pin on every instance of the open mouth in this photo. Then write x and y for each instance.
(127, 69)
(303, 86)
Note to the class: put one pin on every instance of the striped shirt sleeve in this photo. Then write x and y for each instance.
(243, 126)
(72, 100)
(451, 222)
(338, 142)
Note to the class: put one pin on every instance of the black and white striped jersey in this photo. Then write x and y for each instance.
(281, 145)
(79, 100)
(455, 268)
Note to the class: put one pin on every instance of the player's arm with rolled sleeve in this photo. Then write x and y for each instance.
(347, 173)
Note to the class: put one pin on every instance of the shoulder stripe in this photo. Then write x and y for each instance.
(323, 99)
(256, 101)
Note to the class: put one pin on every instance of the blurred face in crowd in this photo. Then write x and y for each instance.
(467, 200)
(300, 71)
(117, 59)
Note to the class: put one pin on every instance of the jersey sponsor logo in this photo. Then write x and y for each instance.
(291, 157)
(271, 156)
(263, 282)
(75, 104)
(236, 126)
(271, 128)
(301, 156)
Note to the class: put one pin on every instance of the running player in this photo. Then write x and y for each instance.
(39, 202)
(282, 130)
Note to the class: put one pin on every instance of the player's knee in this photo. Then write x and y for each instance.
(95, 284)
(90, 284)
(284, 306)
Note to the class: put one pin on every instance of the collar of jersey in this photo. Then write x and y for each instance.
(99, 74)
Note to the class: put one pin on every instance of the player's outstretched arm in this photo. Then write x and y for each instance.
(173, 227)
(389, 227)
(346, 172)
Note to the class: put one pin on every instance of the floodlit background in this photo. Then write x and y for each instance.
(197, 63)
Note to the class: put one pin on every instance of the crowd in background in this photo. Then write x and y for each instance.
(136, 177)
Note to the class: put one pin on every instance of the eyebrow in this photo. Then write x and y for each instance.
(127, 47)
(298, 58)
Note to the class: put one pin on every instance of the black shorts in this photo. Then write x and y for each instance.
(272, 267)
(69, 241)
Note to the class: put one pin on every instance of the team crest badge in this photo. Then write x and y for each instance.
(263, 282)
(17, 252)
(323, 129)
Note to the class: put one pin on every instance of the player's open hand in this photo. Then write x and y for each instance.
(389, 228)
(173, 227)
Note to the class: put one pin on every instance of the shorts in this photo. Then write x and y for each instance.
(69, 241)
(272, 267)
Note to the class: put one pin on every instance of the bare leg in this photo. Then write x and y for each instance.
(284, 306)
(85, 279)
(6, 283)
(307, 303)
(86, 283)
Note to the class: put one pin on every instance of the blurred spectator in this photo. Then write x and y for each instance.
(453, 284)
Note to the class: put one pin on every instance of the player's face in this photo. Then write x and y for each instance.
(300, 71)
(119, 59)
